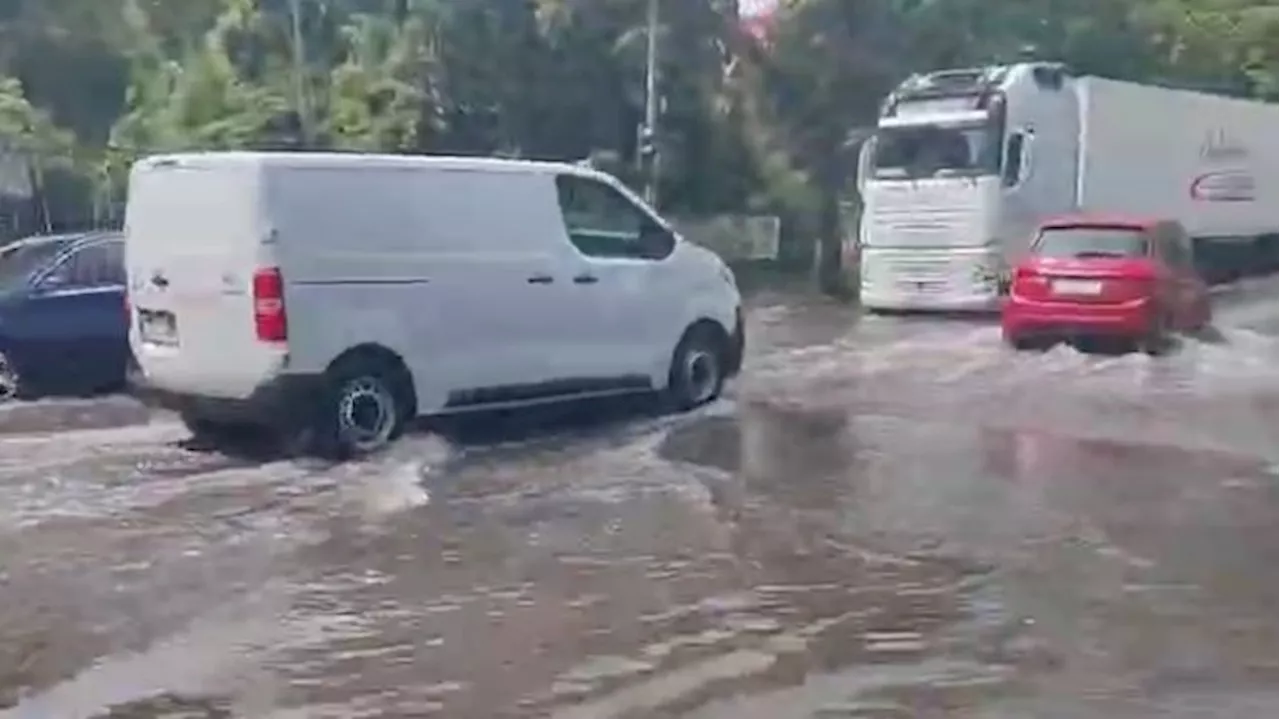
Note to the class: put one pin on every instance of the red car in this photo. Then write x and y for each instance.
(1105, 278)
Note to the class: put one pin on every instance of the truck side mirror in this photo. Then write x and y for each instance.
(1028, 156)
(1017, 159)
(865, 155)
(1011, 169)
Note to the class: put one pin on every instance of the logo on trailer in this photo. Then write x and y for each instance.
(1225, 186)
(1219, 147)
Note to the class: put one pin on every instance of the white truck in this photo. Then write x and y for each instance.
(965, 163)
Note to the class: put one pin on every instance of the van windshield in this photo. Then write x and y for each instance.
(19, 261)
(1086, 242)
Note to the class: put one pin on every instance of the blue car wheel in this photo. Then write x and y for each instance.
(10, 381)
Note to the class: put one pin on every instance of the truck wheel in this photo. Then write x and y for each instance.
(363, 410)
(697, 369)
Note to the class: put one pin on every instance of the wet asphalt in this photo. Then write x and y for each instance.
(885, 518)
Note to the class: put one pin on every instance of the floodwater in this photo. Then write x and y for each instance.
(886, 518)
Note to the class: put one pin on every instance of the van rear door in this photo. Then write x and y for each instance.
(194, 239)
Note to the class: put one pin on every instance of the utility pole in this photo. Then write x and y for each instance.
(649, 133)
(300, 100)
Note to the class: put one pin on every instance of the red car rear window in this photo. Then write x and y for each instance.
(1086, 242)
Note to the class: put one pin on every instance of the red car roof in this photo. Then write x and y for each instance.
(1137, 222)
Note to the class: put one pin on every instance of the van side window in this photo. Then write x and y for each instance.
(1012, 160)
(602, 222)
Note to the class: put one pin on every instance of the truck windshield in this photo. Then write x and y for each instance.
(916, 151)
(1085, 242)
(19, 261)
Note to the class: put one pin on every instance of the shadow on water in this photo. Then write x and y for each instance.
(932, 317)
(170, 706)
(568, 419)
(61, 414)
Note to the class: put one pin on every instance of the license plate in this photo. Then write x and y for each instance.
(920, 285)
(1077, 287)
(157, 327)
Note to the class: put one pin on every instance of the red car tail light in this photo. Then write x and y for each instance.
(1028, 282)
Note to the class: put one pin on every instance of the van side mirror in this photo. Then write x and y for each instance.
(655, 242)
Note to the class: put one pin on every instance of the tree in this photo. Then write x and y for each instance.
(377, 94)
(829, 64)
(29, 134)
(744, 127)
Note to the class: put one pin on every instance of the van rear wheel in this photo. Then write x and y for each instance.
(212, 434)
(363, 410)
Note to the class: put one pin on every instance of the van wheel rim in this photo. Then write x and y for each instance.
(9, 380)
(366, 414)
(702, 374)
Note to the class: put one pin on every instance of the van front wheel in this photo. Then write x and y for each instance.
(697, 369)
(362, 411)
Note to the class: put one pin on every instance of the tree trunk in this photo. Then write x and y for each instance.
(39, 199)
(827, 254)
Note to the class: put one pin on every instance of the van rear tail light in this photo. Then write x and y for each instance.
(269, 319)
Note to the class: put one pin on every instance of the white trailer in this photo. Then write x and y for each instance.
(965, 164)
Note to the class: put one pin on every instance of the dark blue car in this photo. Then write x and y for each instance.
(64, 325)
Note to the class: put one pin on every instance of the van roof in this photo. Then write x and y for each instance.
(368, 160)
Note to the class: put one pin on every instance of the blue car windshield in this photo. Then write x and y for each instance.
(18, 262)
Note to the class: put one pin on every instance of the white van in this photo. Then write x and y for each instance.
(345, 294)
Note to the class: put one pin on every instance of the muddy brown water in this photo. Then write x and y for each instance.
(885, 518)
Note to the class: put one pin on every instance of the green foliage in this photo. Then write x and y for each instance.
(28, 131)
(92, 84)
(374, 96)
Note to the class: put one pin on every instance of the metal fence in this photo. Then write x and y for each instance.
(735, 238)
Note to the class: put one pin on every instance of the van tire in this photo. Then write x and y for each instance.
(698, 366)
(354, 387)
(211, 434)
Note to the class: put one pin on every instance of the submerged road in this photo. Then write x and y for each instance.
(888, 518)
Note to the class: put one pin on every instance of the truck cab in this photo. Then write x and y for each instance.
(962, 166)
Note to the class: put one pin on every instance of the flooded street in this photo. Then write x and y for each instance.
(887, 518)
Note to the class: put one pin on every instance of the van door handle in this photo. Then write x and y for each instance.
(541, 280)
(585, 280)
